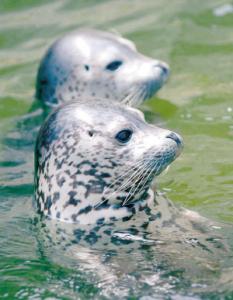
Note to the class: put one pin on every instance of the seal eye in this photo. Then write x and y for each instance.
(124, 136)
(114, 65)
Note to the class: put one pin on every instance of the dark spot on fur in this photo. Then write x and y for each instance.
(117, 241)
(105, 175)
(48, 202)
(78, 233)
(103, 205)
(125, 219)
(72, 200)
(100, 221)
(74, 217)
(60, 181)
(56, 196)
(92, 238)
(154, 217)
(97, 228)
(85, 210)
(108, 232)
(90, 172)
(145, 225)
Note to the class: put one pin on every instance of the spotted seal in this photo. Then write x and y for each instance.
(92, 169)
(93, 63)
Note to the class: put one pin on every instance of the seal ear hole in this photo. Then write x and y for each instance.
(114, 65)
(91, 133)
(87, 67)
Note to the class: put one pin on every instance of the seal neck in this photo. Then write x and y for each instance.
(113, 212)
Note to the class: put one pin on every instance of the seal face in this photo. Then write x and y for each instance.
(92, 63)
(95, 161)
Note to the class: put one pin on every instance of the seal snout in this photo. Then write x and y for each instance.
(163, 67)
(176, 138)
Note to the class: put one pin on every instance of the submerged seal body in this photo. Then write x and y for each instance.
(91, 170)
(92, 63)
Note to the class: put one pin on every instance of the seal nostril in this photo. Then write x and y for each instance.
(165, 70)
(175, 137)
(164, 67)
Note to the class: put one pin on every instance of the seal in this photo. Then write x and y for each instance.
(91, 63)
(91, 169)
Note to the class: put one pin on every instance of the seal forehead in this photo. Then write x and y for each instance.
(91, 43)
(99, 113)
(101, 36)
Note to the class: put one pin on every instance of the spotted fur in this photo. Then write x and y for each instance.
(84, 175)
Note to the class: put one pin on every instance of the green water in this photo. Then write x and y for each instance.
(197, 102)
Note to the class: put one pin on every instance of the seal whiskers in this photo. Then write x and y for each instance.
(134, 96)
(124, 175)
(143, 180)
(108, 190)
(146, 181)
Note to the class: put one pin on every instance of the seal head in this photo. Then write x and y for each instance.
(95, 161)
(91, 63)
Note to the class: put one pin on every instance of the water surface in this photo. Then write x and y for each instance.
(197, 102)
